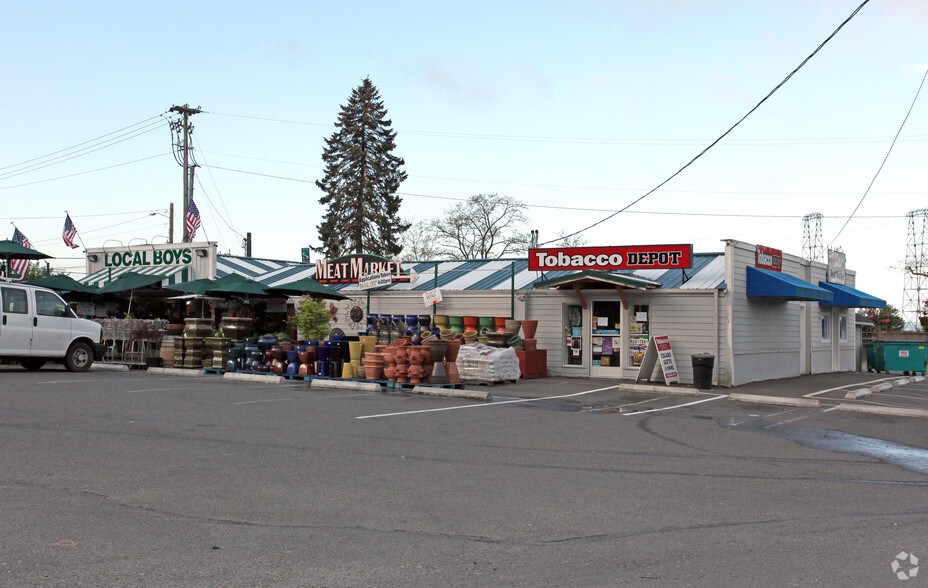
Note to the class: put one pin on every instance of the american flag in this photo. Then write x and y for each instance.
(20, 266)
(69, 232)
(193, 220)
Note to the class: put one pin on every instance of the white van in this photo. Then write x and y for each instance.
(37, 326)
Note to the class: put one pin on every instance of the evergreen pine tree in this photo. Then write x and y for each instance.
(361, 178)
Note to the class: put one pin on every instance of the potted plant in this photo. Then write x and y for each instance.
(312, 319)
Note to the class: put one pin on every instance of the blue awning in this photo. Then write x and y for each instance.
(779, 286)
(847, 296)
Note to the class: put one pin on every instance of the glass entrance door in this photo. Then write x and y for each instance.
(606, 339)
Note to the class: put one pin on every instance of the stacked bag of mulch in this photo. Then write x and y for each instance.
(481, 364)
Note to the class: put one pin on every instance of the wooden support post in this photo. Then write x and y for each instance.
(622, 297)
(580, 296)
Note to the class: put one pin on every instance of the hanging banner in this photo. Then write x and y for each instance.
(611, 258)
(375, 280)
(432, 297)
(659, 350)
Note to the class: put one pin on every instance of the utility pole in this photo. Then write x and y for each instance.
(183, 153)
(171, 224)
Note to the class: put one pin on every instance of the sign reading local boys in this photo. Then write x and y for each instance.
(146, 257)
(348, 269)
(611, 258)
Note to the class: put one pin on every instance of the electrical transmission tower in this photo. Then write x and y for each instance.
(183, 153)
(812, 247)
(916, 267)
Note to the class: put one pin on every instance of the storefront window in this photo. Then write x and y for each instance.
(606, 332)
(842, 328)
(825, 335)
(638, 332)
(573, 334)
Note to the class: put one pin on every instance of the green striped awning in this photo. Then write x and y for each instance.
(171, 274)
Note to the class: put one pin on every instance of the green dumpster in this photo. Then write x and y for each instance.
(871, 357)
(901, 356)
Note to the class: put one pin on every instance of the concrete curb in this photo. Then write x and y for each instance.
(668, 390)
(902, 382)
(885, 410)
(779, 400)
(109, 367)
(480, 396)
(258, 378)
(859, 393)
(916, 379)
(342, 385)
(881, 387)
(175, 372)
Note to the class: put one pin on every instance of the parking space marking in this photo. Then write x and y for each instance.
(871, 383)
(83, 381)
(485, 405)
(676, 406)
(159, 390)
(326, 397)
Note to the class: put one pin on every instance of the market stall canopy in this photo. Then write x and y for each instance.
(12, 250)
(850, 297)
(63, 283)
(592, 279)
(130, 281)
(762, 283)
(167, 275)
(308, 286)
(228, 284)
(200, 286)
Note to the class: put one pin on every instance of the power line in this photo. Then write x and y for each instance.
(723, 135)
(890, 150)
(81, 152)
(600, 140)
(79, 144)
(83, 172)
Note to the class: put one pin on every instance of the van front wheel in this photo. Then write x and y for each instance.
(79, 358)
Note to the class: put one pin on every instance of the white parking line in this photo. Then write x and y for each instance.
(675, 406)
(391, 414)
(870, 383)
(159, 390)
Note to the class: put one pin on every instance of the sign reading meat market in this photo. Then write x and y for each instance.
(349, 268)
(611, 258)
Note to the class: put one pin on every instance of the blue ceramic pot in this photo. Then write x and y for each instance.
(292, 369)
(322, 368)
(293, 356)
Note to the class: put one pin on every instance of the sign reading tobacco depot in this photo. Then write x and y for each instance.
(611, 258)
(349, 269)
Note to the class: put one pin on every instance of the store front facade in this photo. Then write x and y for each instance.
(763, 314)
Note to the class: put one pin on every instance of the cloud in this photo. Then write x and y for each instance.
(462, 80)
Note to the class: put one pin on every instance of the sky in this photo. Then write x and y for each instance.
(574, 108)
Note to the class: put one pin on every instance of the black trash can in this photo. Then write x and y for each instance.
(702, 370)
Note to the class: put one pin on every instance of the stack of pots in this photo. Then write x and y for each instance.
(193, 352)
(215, 351)
(529, 343)
(179, 352)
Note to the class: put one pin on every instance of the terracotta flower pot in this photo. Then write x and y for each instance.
(529, 328)
(451, 354)
(529, 344)
(513, 326)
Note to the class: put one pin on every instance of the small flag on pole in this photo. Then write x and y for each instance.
(20, 266)
(192, 219)
(69, 232)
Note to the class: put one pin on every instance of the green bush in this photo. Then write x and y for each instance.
(312, 319)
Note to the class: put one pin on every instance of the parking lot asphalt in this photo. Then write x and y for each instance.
(137, 479)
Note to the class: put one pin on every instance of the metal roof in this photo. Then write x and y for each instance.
(708, 272)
